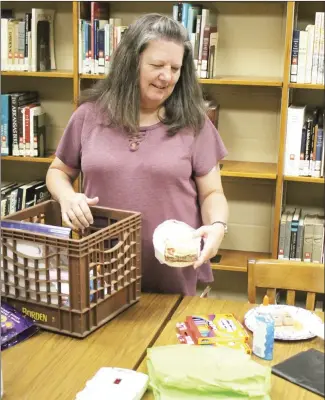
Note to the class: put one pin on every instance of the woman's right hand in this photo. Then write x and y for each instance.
(75, 210)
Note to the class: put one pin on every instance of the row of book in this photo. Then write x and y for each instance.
(304, 148)
(307, 53)
(27, 44)
(301, 237)
(203, 35)
(23, 125)
(99, 36)
(17, 196)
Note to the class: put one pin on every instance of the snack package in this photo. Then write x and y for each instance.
(212, 329)
(15, 326)
(174, 244)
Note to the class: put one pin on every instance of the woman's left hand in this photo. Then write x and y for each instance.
(212, 236)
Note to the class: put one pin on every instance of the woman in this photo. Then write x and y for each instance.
(143, 142)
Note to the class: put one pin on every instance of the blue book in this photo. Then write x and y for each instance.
(59, 231)
(5, 123)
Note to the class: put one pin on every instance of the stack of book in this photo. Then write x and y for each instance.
(18, 196)
(27, 44)
(301, 237)
(23, 129)
(203, 35)
(304, 149)
(99, 36)
(307, 54)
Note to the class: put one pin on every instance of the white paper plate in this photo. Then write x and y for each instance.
(170, 229)
(305, 318)
(318, 329)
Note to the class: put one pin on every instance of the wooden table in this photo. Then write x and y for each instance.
(55, 367)
(281, 389)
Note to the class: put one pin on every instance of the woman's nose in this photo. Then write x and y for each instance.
(166, 74)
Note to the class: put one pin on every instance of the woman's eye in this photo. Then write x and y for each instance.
(156, 65)
(175, 69)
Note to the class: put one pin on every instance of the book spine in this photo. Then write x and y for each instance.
(14, 125)
(21, 139)
(205, 52)
(28, 20)
(300, 240)
(294, 56)
(314, 71)
(5, 148)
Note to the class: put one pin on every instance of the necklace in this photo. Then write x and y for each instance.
(135, 140)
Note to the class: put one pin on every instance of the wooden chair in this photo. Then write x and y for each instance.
(275, 274)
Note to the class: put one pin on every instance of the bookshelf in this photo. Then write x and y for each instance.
(46, 160)
(47, 74)
(306, 86)
(230, 80)
(252, 87)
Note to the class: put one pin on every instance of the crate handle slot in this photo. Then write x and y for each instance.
(118, 245)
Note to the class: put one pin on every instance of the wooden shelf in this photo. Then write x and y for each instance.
(38, 74)
(47, 159)
(235, 260)
(307, 179)
(313, 86)
(242, 81)
(236, 81)
(92, 76)
(246, 169)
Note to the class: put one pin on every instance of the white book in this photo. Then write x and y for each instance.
(81, 44)
(320, 67)
(302, 55)
(16, 47)
(318, 22)
(205, 20)
(310, 48)
(107, 49)
(4, 44)
(295, 121)
(21, 45)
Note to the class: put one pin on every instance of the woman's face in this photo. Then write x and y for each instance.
(160, 68)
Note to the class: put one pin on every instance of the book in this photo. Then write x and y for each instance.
(42, 38)
(15, 326)
(59, 231)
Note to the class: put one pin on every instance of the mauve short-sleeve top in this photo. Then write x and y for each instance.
(157, 180)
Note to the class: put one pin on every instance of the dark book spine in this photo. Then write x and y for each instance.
(309, 131)
(14, 125)
(20, 193)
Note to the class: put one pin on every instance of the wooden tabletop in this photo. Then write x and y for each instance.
(55, 367)
(281, 389)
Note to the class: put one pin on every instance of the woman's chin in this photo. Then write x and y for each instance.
(154, 101)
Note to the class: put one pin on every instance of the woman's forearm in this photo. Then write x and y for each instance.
(59, 184)
(214, 208)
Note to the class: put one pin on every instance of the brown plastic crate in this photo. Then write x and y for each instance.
(72, 286)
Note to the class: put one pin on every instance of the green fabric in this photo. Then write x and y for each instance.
(205, 372)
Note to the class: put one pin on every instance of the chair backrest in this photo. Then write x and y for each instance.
(291, 276)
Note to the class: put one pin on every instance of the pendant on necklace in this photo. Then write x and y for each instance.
(134, 146)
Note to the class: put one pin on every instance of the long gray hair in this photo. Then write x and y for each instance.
(118, 95)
